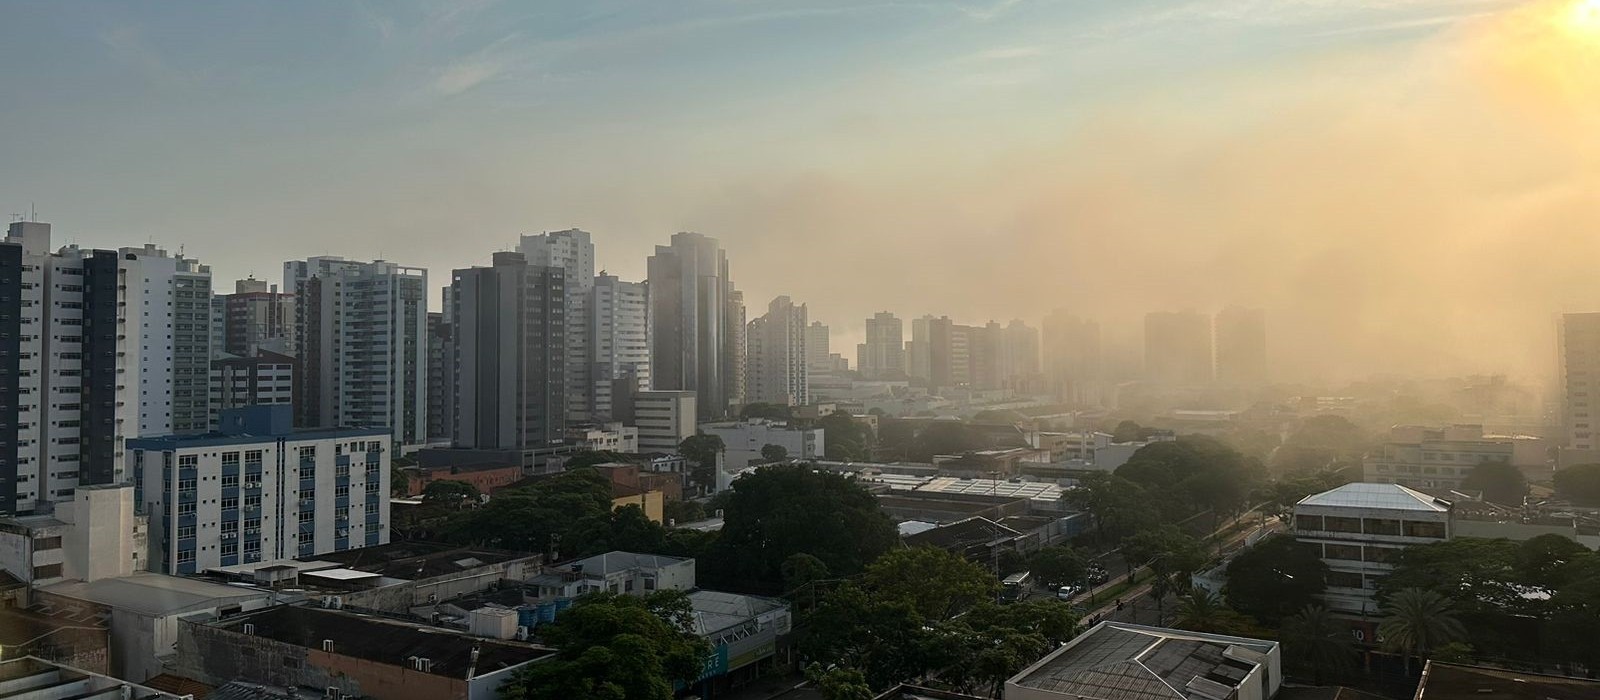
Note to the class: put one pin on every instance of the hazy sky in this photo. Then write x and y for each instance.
(1406, 185)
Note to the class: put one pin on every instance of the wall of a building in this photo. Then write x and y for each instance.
(216, 655)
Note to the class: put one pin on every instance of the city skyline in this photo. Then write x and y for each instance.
(432, 130)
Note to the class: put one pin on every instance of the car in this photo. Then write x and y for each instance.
(1098, 576)
(1068, 592)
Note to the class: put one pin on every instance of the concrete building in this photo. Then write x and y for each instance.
(262, 379)
(95, 535)
(257, 317)
(1089, 450)
(1441, 458)
(483, 477)
(32, 678)
(1360, 529)
(509, 366)
(573, 252)
(919, 349)
(696, 324)
(259, 489)
(623, 573)
(361, 336)
(744, 440)
(883, 355)
(1018, 360)
(441, 376)
(1177, 347)
(1134, 662)
(618, 359)
(338, 654)
(145, 610)
(664, 419)
(1579, 338)
(742, 630)
(775, 358)
(1242, 346)
(75, 382)
(1072, 358)
(610, 437)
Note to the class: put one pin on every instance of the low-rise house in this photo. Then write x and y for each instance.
(1134, 662)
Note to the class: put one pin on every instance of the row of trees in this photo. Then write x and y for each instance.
(1165, 482)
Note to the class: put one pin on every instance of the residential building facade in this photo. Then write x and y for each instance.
(571, 250)
(509, 364)
(259, 490)
(263, 378)
(618, 360)
(696, 324)
(744, 440)
(664, 419)
(776, 361)
(1580, 381)
(882, 356)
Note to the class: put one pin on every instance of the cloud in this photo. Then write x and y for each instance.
(465, 75)
(129, 45)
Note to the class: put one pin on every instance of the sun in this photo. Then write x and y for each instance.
(1584, 16)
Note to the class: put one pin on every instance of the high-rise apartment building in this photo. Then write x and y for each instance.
(1242, 346)
(360, 337)
(441, 376)
(818, 348)
(1072, 357)
(776, 360)
(572, 250)
(919, 350)
(98, 346)
(1177, 347)
(1019, 355)
(507, 347)
(259, 490)
(618, 359)
(265, 378)
(696, 324)
(258, 317)
(1579, 338)
(883, 354)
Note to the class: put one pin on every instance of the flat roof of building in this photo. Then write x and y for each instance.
(342, 574)
(992, 487)
(249, 569)
(613, 562)
(971, 531)
(36, 679)
(1379, 496)
(384, 641)
(1119, 661)
(1441, 681)
(715, 611)
(153, 594)
(409, 561)
(20, 626)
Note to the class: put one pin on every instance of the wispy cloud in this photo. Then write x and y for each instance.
(1006, 53)
(129, 45)
(477, 68)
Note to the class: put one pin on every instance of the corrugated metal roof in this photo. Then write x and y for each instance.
(1383, 496)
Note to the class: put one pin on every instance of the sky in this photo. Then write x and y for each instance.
(1407, 186)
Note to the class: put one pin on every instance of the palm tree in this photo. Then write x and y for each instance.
(1313, 639)
(1199, 611)
(1416, 620)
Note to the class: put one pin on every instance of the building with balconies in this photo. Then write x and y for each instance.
(259, 489)
(1359, 531)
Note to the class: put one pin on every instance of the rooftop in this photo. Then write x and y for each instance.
(995, 488)
(409, 561)
(1381, 496)
(614, 562)
(1117, 661)
(962, 533)
(384, 641)
(36, 679)
(153, 594)
(1442, 681)
(19, 627)
(715, 611)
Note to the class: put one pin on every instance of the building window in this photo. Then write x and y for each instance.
(1382, 555)
(1424, 529)
(231, 503)
(1308, 522)
(188, 461)
(230, 549)
(308, 452)
(1344, 579)
(186, 532)
(1381, 526)
(1334, 523)
(342, 491)
(1344, 552)
(186, 508)
(47, 571)
(230, 481)
(252, 457)
(185, 556)
(41, 544)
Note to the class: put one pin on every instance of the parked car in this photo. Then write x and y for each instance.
(1068, 592)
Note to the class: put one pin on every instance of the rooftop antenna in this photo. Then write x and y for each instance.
(33, 213)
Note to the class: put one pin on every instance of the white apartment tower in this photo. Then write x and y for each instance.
(96, 346)
(360, 339)
(1580, 380)
(776, 370)
(618, 360)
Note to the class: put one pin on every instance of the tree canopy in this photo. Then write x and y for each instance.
(844, 439)
(1193, 473)
(780, 511)
(1117, 506)
(1058, 565)
(1580, 484)
(615, 647)
(702, 450)
(535, 517)
(1321, 443)
(774, 453)
(449, 492)
(1499, 481)
(1276, 578)
(936, 583)
(770, 411)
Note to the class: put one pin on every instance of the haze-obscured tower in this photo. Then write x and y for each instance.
(1579, 339)
(696, 324)
(776, 360)
(618, 361)
(1072, 357)
(1242, 346)
(883, 354)
(1019, 356)
(573, 252)
(1177, 347)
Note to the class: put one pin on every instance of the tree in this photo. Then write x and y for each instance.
(533, 518)
(1173, 558)
(936, 583)
(1321, 443)
(1126, 431)
(1579, 484)
(625, 529)
(1314, 640)
(1192, 473)
(1416, 621)
(840, 683)
(615, 647)
(843, 439)
(449, 492)
(1057, 566)
(1499, 481)
(774, 453)
(680, 512)
(1117, 506)
(702, 450)
(943, 437)
(1283, 493)
(1200, 610)
(801, 570)
(886, 640)
(1275, 578)
(779, 511)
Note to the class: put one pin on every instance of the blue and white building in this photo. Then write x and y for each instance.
(257, 489)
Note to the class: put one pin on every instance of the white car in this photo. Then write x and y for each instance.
(1068, 592)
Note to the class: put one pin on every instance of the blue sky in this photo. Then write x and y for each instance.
(433, 133)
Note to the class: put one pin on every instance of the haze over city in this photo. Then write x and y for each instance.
(1407, 186)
